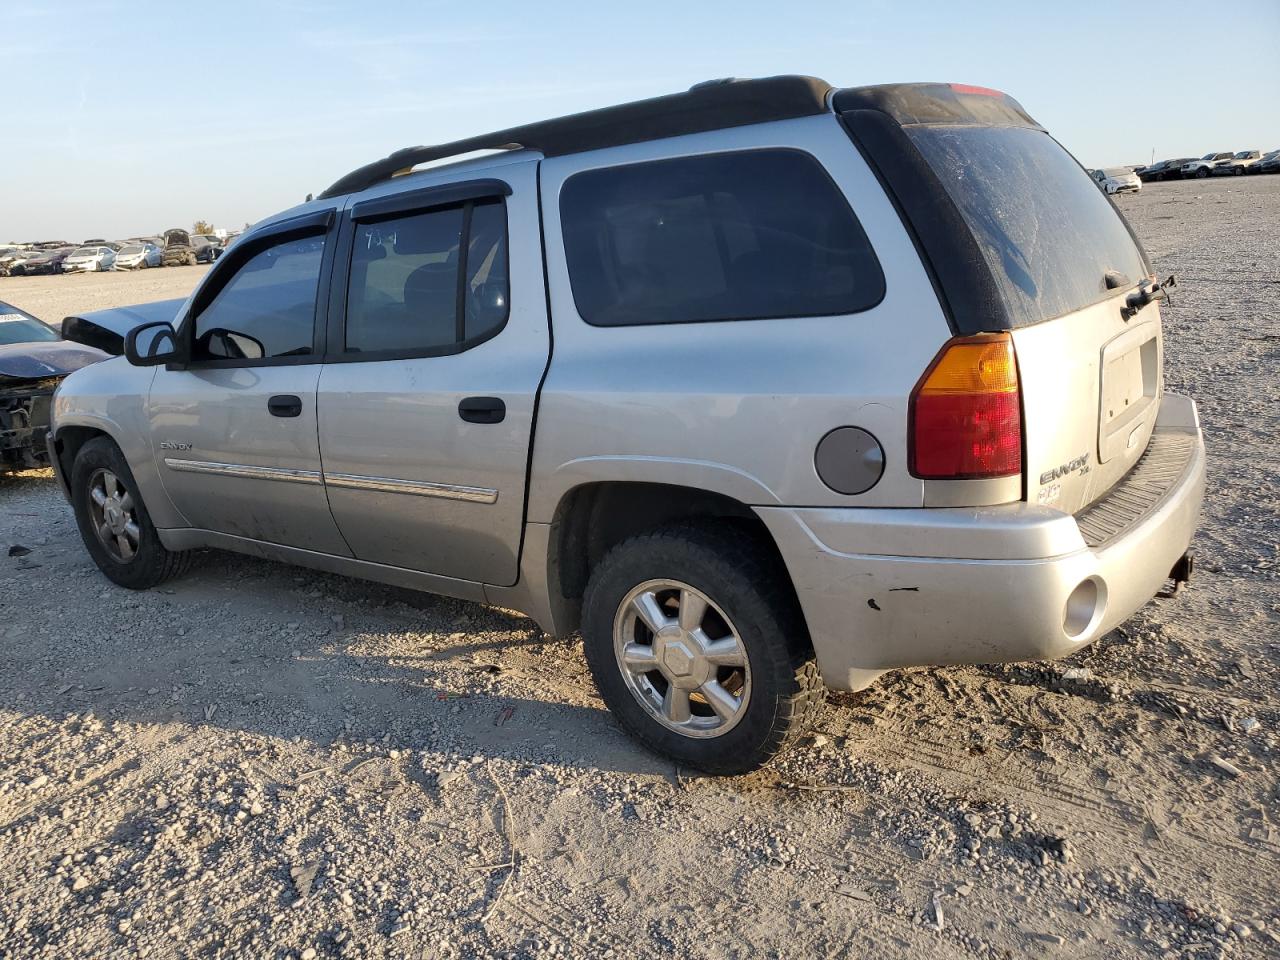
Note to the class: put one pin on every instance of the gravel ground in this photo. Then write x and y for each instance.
(262, 761)
(53, 297)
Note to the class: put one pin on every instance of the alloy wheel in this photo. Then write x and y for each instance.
(114, 515)
(682, 658)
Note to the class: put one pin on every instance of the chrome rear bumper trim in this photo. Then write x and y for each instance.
(243, 470)
(417, 488)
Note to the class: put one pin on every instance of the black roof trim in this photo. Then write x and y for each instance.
(716, 105)
(910, 103)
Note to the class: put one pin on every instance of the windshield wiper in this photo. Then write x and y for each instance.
(1147, 291)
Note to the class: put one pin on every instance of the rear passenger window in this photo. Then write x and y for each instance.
(732, 236)
(404, 295)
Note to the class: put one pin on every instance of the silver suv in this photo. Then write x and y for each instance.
(765, 387)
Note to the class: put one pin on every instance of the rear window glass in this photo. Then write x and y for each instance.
(1048, 233)
(735, 236)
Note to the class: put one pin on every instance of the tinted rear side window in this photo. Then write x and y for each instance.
(1046, 230)
(734, 236)
(404, 296)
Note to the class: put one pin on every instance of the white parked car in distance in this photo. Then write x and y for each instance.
(137, 256)
(90, 258)
(1117, 180)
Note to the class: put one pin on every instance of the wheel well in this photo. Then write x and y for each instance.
(593, 518)
(67, 444)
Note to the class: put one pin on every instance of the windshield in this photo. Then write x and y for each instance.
(1047, 232)
(131, 249)
(20, 328)
(86, 252)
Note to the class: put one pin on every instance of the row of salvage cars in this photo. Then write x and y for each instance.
(176, 248)
(34, 359)
(1213, 164)
(1112, 180)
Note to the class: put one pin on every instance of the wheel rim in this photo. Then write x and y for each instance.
(114, 515)
(682, 658)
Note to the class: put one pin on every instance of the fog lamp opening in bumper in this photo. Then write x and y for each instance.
(1084, 607)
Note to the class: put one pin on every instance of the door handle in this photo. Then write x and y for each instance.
(482, 410)
(285, 405)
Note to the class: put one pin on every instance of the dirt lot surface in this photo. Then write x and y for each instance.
(53, 297)
(261, 761)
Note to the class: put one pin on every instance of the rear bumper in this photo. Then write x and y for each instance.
(882, 589)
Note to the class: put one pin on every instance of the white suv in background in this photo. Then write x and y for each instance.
(1204, 166)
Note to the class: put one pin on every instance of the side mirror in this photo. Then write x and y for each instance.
(152, 344)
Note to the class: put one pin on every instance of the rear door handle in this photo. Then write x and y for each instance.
(285, 405)
(482, 410)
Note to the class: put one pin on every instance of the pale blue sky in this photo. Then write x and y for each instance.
(128, 117)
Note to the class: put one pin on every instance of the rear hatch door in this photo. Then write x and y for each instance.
(1022, 240)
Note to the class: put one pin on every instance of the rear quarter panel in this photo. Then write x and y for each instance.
(735, 407)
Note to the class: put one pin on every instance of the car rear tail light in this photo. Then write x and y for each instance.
(965, 413)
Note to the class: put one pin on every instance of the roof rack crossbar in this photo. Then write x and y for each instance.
(712, 106)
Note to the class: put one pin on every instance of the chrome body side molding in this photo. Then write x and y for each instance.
(417, 488)
(245, 470)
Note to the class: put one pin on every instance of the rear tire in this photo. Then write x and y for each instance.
(729, 679)
(114, 523)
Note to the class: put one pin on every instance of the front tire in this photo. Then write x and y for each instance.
(114, 523)
(1201, 173)
(697, 645)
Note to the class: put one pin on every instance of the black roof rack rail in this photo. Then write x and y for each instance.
(715, 105)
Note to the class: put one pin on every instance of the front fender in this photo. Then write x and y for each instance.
(111, 398)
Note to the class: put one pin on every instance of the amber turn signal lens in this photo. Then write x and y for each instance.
(974, 366)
